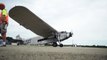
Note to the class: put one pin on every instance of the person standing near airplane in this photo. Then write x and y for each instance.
(3, 22)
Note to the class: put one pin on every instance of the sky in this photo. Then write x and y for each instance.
(87, 19)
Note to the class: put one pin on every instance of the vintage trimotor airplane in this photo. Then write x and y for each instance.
(30, 21)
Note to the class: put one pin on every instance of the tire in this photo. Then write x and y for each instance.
(54, 44)
(61, 45)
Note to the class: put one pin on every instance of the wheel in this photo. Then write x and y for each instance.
(54, 44)
(61, 45)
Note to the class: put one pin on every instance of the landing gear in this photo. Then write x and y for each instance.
(61, 45)
(54, 44)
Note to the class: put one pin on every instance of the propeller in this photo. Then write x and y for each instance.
(70, 34)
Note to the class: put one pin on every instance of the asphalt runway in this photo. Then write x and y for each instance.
(52, 53)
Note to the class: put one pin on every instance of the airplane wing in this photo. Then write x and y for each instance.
(30, 21)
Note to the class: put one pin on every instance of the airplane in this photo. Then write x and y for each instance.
(29, 20)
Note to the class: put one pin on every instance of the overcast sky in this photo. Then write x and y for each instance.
(87, 19)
